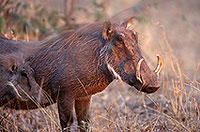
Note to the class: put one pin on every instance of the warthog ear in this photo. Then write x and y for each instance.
(107, 30)
(127, 23)
(12, 65)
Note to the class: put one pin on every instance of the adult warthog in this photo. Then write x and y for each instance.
(75, 67)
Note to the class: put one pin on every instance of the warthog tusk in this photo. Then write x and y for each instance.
(159, 66)
(15, 89)
(138, 70)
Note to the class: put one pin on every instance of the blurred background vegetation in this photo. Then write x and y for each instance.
(25, 17)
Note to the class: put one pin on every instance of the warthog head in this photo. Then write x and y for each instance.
(17, 81)
(124, 60)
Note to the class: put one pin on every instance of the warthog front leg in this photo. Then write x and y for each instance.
(82, 107)
(65, 110)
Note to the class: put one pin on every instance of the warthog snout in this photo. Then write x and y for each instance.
(149, 83)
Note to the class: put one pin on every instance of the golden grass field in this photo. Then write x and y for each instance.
(170, 29)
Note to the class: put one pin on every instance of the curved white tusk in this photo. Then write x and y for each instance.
(159, 66)
(138, 76)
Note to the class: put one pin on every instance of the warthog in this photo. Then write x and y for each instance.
(71, 68)
(17, 80)
(74, 68)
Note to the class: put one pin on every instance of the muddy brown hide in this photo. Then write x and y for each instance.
(73, 68)
(17, 80)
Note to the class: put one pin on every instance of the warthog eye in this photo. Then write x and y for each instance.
(119, 39)
(23, 73)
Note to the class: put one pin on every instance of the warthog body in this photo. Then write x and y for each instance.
(75, 67)
(17, 80)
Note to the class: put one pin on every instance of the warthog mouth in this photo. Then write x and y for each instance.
(15, 89)
(24, 96)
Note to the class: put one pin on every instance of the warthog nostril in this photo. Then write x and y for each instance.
(150, 89)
